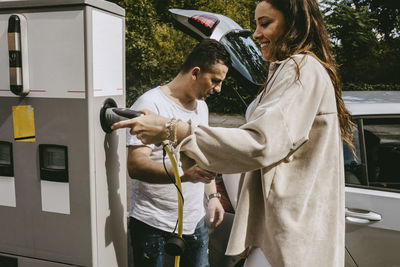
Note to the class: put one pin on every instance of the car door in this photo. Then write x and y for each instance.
(373, 192)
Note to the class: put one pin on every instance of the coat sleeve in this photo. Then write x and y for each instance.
(279, 125)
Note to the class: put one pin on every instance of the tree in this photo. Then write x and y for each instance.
(361, 43)
(387, 14)
(354, 42)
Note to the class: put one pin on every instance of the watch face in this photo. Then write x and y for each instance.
(216, 195)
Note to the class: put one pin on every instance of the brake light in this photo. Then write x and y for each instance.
(204, 23)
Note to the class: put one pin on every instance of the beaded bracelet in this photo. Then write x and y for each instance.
(170, 125)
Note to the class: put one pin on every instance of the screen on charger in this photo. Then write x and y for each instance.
(5, 154)
(54, 158)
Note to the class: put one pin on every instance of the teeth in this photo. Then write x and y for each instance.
(264, 44)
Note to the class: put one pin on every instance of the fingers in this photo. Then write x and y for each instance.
(146, 112)
(206, 174)
(129, 123)
(195, 174)
(215, 212)
(211, 214)
(220, 218)
(123, 124)
(206, 180)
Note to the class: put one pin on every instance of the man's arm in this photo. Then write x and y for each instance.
(214, 209)
(142, 168)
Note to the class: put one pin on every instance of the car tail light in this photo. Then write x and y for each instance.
(204, 23)
(226, 203)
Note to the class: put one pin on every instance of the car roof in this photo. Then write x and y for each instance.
(372, 102)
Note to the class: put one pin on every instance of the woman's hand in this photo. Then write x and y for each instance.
(148, 128)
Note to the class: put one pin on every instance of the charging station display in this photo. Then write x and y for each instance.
(53, 163)
(6, 159)
(7, 180)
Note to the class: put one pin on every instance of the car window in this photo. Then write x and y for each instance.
(246, 56)
(352, 163)
(379, 164)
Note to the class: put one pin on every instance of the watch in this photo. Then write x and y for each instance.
(217, 195)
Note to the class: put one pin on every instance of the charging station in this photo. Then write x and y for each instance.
(62, 178)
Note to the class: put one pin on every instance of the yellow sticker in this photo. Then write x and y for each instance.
(24, 125)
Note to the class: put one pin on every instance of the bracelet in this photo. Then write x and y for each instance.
(170, 125)
(217, 195)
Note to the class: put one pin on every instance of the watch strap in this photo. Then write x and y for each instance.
(216, 195)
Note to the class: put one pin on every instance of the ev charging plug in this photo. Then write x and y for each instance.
(110, 114)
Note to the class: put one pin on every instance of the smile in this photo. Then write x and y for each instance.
(264, 44)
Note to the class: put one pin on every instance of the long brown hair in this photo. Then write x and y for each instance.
(305, 33)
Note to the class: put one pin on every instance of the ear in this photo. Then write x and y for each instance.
(195, 72)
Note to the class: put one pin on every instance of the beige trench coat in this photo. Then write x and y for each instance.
(291, 203)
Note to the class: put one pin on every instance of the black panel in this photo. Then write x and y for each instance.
(8, 262)
(6, 160)
(53, 163)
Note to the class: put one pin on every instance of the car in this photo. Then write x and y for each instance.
(372, 193)
(372, 175)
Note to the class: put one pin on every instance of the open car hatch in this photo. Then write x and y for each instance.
(245, 54)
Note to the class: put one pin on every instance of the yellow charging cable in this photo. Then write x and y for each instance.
(180, 200)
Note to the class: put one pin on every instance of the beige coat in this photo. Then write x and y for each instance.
(291, 202)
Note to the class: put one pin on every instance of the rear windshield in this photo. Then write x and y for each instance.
(246, 56)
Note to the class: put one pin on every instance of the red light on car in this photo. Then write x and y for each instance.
(204, 23)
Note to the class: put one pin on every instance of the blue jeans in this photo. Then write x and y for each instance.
(148, 246)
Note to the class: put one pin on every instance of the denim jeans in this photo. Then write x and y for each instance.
(148, 246)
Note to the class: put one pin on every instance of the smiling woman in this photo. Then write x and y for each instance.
(270, 27)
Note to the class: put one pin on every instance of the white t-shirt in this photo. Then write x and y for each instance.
(157, 204)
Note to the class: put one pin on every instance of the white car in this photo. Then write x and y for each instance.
(372, 197)
(372, 179)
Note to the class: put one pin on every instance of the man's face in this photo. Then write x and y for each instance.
(207, 83)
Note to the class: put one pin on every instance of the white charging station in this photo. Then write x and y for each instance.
(62, 178)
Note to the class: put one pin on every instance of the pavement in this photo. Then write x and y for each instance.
(224, 120)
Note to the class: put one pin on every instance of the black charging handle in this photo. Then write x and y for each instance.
(110, 114)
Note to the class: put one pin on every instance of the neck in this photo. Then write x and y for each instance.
(180, 92)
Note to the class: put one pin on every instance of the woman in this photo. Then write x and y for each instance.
(291, 202)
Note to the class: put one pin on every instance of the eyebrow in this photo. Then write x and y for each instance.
(263, 17)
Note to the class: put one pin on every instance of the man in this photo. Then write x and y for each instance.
(154, 209)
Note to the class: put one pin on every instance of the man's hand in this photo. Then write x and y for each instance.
(215, 212)
(195, 174)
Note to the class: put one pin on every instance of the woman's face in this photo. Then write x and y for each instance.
(270, 24)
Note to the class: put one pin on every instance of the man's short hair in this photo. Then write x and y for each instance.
(206, 54)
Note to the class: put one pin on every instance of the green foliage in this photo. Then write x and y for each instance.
(354, 43)
(370, 87)
(387, 14)
(362, 52)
